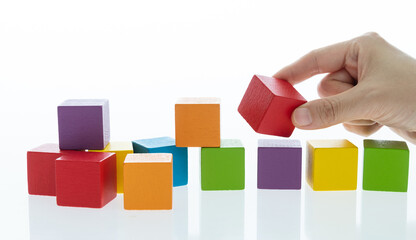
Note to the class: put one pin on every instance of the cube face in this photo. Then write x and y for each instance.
(386, 166)
(86, 179)
(223, 168)
(148, 181)
(121, 149)
(69, 187)
(332, 165)
(255, 102)
(84, 124)
(277, 120)
(41, 169)
(268, 104)
(279, 164)
(167, 145)
(197, 122)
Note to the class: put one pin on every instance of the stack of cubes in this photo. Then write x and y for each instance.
(87, 170)
(158, 164)
(75, 176)
(197, 124)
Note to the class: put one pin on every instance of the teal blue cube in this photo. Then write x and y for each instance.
(167, 145)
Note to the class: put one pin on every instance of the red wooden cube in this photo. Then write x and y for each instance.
(41, 169)
(86, 179)
(268, 104)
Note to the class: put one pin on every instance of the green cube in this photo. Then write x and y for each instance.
(222, 168)
(386, 165)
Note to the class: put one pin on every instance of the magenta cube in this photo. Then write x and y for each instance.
(279, 164)
(84, 124)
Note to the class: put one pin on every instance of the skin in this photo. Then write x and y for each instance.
(369, 84)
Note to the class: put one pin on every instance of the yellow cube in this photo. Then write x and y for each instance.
(121, 149)
(332, 165)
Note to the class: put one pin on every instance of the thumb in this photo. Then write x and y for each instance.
(325, 112)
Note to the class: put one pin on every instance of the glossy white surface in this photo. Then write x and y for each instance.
(143, 56)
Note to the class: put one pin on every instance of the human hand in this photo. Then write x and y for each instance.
(370, 84)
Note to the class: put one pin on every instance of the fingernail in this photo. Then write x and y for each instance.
(302, 117)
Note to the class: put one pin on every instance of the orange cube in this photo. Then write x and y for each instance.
(148, 181)
(197, 122)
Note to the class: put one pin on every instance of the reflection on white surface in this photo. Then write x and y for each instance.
(330, 214)
(134, 224)
(278, 214)
(222, 215)
(327, 215)
(383, 215)
(180, 213)
(411, 230)
(49, 221)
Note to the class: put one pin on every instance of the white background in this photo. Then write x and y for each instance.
(142, 55)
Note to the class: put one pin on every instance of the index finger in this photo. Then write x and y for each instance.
(323, 60)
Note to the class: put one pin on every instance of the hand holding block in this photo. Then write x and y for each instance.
(86, 179)
(83, 124)
(121, 149)
(332, 165)
(386, 165)
(279, 164)
(41, 169)
(268, 104)
(197, 122)
(148, 181)
(167, 145)
(223, 168)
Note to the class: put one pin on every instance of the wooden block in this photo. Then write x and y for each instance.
(268, 104)
(86, 179)
(121, 149)
(279, 164)
(332, 165)
(167, 145)
(197, 122)
(148, 181)
(84, 124)
(386, 165)
(41, 169)
(223, 168)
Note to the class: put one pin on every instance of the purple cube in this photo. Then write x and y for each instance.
(279, 164)
(84, 124)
